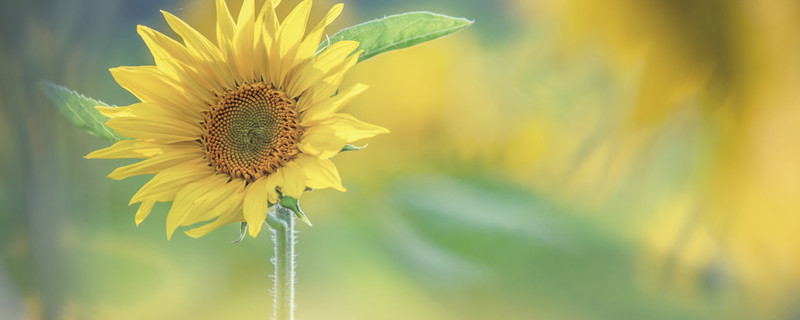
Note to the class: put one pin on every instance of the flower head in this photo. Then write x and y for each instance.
(228, 128)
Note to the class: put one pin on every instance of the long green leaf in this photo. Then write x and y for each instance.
(397, 32)
(80, 110)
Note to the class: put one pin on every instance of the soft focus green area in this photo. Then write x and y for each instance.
(555, 160)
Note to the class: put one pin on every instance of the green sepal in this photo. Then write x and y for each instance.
(80, 110)
(350, 147)
(294, 205)
(242, 232)
(397, 32)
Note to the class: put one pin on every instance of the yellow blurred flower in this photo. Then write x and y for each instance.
(229, 128)
(712, 84)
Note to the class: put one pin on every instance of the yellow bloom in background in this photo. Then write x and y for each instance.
(711, 86)
(229, 128)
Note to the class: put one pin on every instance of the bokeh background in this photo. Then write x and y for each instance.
(619, 159)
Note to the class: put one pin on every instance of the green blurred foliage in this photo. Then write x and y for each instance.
(483, 202)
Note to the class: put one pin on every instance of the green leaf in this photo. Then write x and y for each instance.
(80, 110)
(397, 32)
(294, 205)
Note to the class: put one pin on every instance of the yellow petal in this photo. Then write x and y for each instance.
(320, 173)
(151, 129)
(327, 108)
(174, 61)
(327, 87)
(227, 211)
(183, 207)
(228, 196)
(274, 180)
(351, 129)
(294, 179)
(294, 27)
(225, 29)
(152, 122)
(165, 184)
(153, 111)
(202, 49)
(260, 54)
(150, 85)
(129, 149)
(290, 32)
(320, 67)
(255, 205)
(276, 73)
(245, 43)
(312, 40)
(144, 211)
(183, 156)
(230, 215)
(165, 50)
(321, 142)
(267, 21)
(202, 207)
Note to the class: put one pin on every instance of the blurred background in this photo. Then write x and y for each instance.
(619, 159)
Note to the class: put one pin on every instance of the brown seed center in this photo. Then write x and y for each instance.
(251, 132)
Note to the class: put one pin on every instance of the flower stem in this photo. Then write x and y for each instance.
(283, 237)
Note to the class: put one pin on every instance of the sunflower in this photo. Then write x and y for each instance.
(229, 129)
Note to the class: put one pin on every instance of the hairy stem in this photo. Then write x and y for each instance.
(283, 237)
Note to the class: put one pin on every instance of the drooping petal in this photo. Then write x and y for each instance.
(202, 208)
(183, 206)
(255, 205)
(320, 173)
(274, 180)
(294, 179)
(231, 214)
(321, 142)
(144, 211)
(327, 137)
(229, 196)
(351, 129)
(165, 184)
